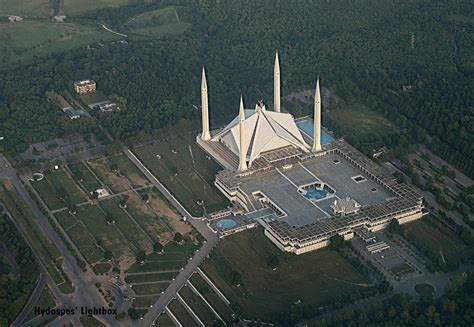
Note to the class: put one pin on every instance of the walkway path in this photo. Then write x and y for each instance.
(194, 262)
(117, 33)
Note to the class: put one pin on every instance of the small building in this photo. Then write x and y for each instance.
(85, 86)
(67, 108)
(59, 19)
(108, 106)
(14, 19)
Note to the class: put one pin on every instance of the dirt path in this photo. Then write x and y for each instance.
(117, 33)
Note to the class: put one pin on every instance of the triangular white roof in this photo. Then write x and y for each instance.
(264, 131)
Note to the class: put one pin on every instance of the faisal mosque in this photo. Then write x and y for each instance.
(296, 180)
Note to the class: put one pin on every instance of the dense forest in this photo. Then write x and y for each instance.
(454, 308)
(410, 61)
(16, 283)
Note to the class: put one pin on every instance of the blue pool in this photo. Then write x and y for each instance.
(314, 194)
(226, 224)
(306, 125)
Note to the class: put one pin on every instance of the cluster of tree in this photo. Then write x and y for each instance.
(15, 290)
(454, 308)
(383, 54)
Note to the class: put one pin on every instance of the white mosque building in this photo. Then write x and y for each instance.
(259, 130)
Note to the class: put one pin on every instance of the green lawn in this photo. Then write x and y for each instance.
(84, 177)
(107, 235)
(214, 300)
(148, 289)
(174, 258)
(153, 224)
(114, 180)
(198, 306)
(129, 229)
(58, 190)
(157, 22)
(93, 97)
(187, 173)
(144, 301)
(314, 278)
(181, 314)
(128, 169)
(76, 7)
(30, 8)
(85, 243)
(164, 321)
(23, 40)
(65, 219)
(101, 268)
(360, 122)
(163, 276)
(87, 321)
(431, 237)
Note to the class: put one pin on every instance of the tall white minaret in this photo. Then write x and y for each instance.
(317, 120)
(243, 150)
(276, 84)
(205, 136)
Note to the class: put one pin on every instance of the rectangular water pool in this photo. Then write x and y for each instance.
(306, 125)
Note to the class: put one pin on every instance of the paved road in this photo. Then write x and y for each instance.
(34, 297)
(86, 293)
(201, 227)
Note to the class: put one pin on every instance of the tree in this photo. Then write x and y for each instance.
(336, 242)
(235, 278)
(133, 313)
(141, 256)
(109, 219)
(273, 261)
(72, 209)
(157, 247)
(79, 175)
(394, 226)
(107, 254)
(146, 197)
(178, 238)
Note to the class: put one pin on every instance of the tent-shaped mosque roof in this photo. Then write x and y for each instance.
(263, 131)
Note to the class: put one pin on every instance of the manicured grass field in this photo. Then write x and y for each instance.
(129, 170)
(157, 22)
(116, 182)
(101, 268)
(107, 235)
(84, 177)
(164, 320)
(85, 243)
(87, 321)
(181, 314)
(164, 276)
(314, 278)
(199, 307)
(144, 301)
(174, 258)
(58, 190)
(76, 7)
(23, 40)
(31, 8)
(144, 215)
(431, 237)
(214, 300)
(186, 173)
(424, 289)
(129, 229)
(93, 97)
(359, 121)
(148, 289)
